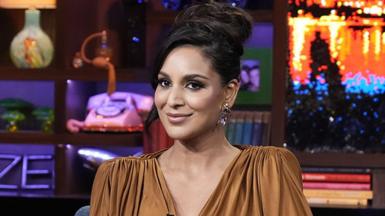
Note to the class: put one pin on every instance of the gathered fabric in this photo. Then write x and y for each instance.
(260, 181)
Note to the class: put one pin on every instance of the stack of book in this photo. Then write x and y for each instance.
(335, 186)
(249, 128)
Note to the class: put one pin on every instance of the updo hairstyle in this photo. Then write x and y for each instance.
(218, 29)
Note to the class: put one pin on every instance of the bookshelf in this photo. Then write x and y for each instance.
(89, 139)
(67, 26)
(82, 74)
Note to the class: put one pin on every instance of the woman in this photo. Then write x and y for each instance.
(196, 83)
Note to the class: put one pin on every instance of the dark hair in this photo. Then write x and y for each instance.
(218, 29)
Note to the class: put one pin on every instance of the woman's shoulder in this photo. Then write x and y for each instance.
(122, 160)
(271, 156)
(268, 151)
(129, 161)
(278, 179)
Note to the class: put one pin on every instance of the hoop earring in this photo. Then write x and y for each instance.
(224, 115)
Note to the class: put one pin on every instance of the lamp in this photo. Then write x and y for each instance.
(31, 47)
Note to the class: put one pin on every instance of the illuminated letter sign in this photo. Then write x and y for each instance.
(18, 177)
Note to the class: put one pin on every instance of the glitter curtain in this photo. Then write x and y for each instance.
(336, 82)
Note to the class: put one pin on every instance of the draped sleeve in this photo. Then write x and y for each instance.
(101, 190)
(129, 186)
(281, 184)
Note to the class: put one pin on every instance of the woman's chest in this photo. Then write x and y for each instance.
(191, 195)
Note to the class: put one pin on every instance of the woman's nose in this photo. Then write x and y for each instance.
(175, 97)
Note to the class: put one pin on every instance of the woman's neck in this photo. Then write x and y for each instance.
(203, 151)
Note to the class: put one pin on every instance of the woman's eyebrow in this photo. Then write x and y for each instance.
(163, 74)
(192, 76)
(187, 77)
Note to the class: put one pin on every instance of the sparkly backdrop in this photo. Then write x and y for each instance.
(336, 82)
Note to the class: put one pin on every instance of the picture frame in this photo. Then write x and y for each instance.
(260, 92)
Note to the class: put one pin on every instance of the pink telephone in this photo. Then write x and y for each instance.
(111, 111)
(118, 112)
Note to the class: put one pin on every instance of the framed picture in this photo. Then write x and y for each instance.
(256, 77)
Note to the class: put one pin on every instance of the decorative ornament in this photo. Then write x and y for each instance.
(224, 114)
(31, 47)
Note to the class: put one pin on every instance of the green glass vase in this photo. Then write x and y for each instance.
(31, 47)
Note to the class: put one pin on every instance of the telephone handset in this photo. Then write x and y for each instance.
(102, 59)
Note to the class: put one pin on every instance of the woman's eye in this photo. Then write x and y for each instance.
(164, 83)
(194, 85)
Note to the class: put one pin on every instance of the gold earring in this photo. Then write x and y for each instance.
(224, 114)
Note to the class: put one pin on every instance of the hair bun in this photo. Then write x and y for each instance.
(218, 17)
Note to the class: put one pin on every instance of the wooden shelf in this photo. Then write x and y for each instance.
(27, 137)
(83, 74)
(102, 139)
(91, 139)
(262, 15)
(160, 17)
(92, 74)
(334, 159)
(339, 206)
(167, 17)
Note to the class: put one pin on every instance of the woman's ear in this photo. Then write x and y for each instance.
(231, 91)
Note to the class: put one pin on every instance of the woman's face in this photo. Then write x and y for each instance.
(189, 95)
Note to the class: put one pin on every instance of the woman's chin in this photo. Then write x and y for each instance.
(176, 133)
(179, 136)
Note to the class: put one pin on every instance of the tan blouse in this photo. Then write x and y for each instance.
(259, 181)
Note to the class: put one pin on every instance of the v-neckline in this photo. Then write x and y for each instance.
(168, 194)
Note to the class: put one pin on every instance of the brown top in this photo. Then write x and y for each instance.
(259, 181)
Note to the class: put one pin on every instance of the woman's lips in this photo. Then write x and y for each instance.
(176, 118)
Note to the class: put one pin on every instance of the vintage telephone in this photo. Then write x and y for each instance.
(111, 111)
(117, 112)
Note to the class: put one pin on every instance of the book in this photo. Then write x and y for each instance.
(231, 129)
(239, 123)
(337, 186)
(248, 129)
(266, 122)
(337, 201)
(326, 193)
(334, 170)
(257, 129)
(337, 177)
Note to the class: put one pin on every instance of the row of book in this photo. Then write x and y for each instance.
(336, 186)
(249, 128)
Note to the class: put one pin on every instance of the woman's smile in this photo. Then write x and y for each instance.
(177, 118)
